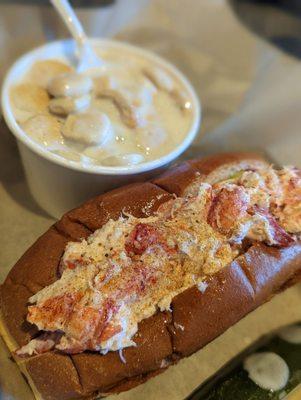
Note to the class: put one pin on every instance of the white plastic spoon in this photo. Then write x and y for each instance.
(87, 59)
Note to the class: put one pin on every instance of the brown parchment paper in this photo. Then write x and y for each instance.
(249, 93)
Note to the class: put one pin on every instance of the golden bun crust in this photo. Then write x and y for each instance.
(196, 318)
(179, 179)
(54, 376)
(199, 317)
(210, 163)
(153, 345)
(270, 270)
(184, 178)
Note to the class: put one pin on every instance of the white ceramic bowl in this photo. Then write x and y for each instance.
(58, 184)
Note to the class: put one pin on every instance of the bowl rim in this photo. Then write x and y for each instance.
(20, 134)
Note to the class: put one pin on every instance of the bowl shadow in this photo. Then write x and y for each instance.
(12, 174)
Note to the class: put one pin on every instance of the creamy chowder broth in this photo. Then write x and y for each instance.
(126, 112)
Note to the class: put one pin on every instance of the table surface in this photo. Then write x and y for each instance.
(22, 220)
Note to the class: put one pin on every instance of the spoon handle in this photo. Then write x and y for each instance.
(72, 22)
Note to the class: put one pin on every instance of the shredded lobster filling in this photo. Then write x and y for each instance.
(131, 267)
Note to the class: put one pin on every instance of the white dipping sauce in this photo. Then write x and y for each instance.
(126, 112)
(291, 334)
(268, 370)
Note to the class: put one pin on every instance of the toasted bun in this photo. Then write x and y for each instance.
(196, 318)
(184, 178)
